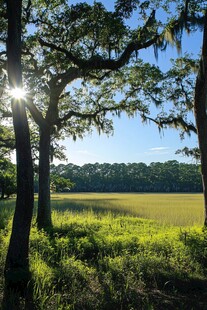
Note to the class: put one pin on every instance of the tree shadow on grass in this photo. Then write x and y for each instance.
(186, 292)
(18, 294)
(99, 206)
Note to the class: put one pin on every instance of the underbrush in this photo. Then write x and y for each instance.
(88, 261)
(105, 261)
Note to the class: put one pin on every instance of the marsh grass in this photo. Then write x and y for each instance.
(102, 253)
(172, 209)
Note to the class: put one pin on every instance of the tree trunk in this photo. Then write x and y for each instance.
(2, 190)
(200, 106)
(44, 208)
(17, 262)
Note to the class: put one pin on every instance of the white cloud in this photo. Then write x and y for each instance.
(160, 150)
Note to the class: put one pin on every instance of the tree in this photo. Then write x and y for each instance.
(7, 142)
(7, 178)
(89, 43)
(201, 115)
(170, 176)
(61, 184)
(63, 57)
(17, 260)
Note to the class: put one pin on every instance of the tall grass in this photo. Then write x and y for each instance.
(173, 209)
(6, 211)
(104, 261)
(117, 251)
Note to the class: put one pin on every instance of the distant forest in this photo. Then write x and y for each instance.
(170, 176)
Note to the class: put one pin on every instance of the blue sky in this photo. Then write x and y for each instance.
(132, 141)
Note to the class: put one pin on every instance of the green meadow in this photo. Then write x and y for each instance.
(116, 251)
(172, 209)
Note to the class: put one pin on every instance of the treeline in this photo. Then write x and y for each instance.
(170, 176)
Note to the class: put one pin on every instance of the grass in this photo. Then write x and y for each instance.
(172, 209)
(118, 251)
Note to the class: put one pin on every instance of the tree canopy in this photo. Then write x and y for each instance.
(170, 176)
(88, 43)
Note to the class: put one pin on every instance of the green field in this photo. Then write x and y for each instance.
(117, 251)
(173, 209)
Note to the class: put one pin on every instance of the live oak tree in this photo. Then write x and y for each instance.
(80, 42)
(191, 18)
(17, 260)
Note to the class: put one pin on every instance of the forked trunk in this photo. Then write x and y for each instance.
(200, 111)
(44, 208)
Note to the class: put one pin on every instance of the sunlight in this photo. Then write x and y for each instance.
(18, 93)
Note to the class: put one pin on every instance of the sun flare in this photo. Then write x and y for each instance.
(18, 93)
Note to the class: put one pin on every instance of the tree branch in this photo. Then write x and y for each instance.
(36, 114)
(61, 80)
(175, 121)
(119, 107)
(98, 62)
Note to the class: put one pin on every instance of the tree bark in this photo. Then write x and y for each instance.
(200, 112)
(44, 207)
(2, 190)
(17, 260)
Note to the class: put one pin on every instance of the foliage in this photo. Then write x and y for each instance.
(7, 143)
(60, 184)
(170, 176)
(67, 42)
(7, 178)
(60, 57)
(190, 152)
